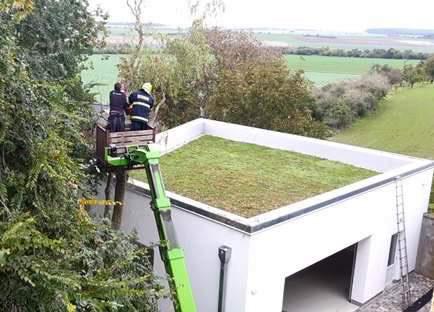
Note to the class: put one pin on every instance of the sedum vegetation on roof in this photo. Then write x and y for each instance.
(248, 179)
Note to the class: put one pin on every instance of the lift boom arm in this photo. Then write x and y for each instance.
(171, 253)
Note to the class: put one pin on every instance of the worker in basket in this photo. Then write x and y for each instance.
(141, 102)
(118, 107)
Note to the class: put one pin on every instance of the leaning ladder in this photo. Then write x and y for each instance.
(402, 244)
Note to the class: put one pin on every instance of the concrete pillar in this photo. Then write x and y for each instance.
(370, 268)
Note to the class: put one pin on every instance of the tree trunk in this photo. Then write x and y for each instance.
(154, 117)
(107, 195)
(121, 182)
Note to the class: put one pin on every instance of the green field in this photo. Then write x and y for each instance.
(104, 72)
(248, 179)
(321, 79)
(325, 69)
(403, 124)
(319, 69)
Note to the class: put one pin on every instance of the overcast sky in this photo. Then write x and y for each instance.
(333, 15)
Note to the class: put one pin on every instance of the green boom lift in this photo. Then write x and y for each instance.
(171, 253)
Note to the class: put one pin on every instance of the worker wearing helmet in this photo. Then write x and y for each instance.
(141, 103)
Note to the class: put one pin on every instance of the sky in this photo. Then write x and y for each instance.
(327, 15)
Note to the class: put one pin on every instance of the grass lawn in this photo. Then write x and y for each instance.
(403, 124)
(248, 179)
(340, 65)
(104, 72)
(325, 69)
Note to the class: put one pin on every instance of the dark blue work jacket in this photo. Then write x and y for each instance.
(141, 103)
(118, 102)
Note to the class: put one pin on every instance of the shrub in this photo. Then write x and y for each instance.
(339, 104)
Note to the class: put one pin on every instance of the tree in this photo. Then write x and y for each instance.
(183, 74)
(256, 88)
(136, 8)
(339, 104)
(393, 74)
(227, 76)
(53, 257)
(55, 44)
(429, 68)
(414, 74)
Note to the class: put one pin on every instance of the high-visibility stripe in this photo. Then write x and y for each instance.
(142, 104)
(139, 118)
(143, 97)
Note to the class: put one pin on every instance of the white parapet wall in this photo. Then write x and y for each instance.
(270, 247)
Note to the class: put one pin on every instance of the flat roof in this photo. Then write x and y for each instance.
(389, 167)
(247, 179)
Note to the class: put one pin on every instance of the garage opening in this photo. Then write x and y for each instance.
(323, 287)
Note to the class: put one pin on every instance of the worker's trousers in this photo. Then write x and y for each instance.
(116, 122)
(139, 125)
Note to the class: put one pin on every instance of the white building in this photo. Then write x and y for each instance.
(273, 255)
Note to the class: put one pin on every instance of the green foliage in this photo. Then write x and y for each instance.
(414, 74)
(183, 72)
(390, 53)
(101, 271)
(227, 76)
(338, 105)
(429, 68)
(393, 74)
(57, 36)
(265, 95)
(52, 257)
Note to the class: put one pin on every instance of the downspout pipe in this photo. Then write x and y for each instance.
(224, 254)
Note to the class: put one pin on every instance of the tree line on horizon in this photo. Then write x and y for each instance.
(391, 53)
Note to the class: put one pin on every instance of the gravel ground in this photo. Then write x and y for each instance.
(390, 300)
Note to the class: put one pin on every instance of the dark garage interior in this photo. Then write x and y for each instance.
(323, 286)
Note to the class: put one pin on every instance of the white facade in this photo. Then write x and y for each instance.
(270, 247)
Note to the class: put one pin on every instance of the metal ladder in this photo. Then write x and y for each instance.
(402, 244)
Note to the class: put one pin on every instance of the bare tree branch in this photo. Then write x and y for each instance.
(136, 8)
(154, 118)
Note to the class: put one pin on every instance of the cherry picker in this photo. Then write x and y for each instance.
(134, 150)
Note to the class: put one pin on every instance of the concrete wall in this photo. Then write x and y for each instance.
(425, 256)
(172, 139)
(369, 218)
(200, 238)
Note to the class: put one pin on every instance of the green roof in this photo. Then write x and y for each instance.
(248, 179)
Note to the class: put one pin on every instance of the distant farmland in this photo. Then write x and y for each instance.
(348, 42)
(325, 69)
(319, 69)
